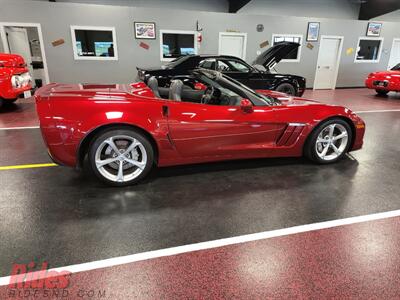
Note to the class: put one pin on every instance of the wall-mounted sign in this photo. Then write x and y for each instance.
(349, 51)
(264, 44)
(144, 46)
(57, 42)
(145, 30)
(374, 29)
(260, 28)
(313, 32)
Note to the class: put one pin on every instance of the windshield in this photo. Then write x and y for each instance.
(396, 68)
(219, 80)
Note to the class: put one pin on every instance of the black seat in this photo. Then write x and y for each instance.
(175, 90)
(152, 83)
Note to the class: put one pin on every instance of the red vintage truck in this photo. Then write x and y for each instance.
(14, 78)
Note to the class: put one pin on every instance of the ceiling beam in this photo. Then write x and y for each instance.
(235, 5)
(375, 8)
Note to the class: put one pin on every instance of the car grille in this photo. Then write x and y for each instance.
(380, 83)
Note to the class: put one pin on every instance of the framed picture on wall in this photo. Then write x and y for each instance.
(374, 29)
(313, 31)
(145, 30)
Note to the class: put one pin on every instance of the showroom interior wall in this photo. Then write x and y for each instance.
(56, 18)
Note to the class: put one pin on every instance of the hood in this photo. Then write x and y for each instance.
(286, 99)
(11, 61)
(385, 73)
(275, 54)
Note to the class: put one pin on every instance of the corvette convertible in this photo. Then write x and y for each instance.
(258, 76)
(126, 130)
(385, 81)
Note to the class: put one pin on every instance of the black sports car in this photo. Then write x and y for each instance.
(258, 76)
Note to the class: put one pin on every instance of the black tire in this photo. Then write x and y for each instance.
(9, 101)
(286, 88)
(310, 148)
(381, 92)
(98, 141)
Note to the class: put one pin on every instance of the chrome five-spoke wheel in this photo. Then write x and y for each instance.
(121, 157)
(329, 141)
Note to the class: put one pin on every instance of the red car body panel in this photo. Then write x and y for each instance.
(391, 79)
(190, 132)
(10, 65)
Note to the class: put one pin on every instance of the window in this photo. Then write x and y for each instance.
(368, 50)
(207, 64)
(94, 43)
(295, 38)
(232, 66)
(174, 44)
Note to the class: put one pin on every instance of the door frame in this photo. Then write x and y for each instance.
(339, 56)
(39, 29)
(227, 33)
(391, 50)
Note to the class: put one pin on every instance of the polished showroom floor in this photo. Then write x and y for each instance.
(58, 215)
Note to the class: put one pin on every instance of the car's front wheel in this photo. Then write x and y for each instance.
(286, 88)
(329, 142)
(121, 157)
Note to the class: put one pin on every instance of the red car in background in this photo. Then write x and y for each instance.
(14, 77)
(385, 81)
(125, 130)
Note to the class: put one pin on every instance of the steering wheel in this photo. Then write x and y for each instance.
(208, 95)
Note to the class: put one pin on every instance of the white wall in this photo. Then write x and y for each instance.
(335, 9)
(201, 5)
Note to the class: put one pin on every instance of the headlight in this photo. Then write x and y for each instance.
(16, 81)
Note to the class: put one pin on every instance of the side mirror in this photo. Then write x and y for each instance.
(246, 106)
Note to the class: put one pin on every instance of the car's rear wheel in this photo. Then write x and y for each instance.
(286, 88)
(121, 157)
(381, 92)
(329, 142)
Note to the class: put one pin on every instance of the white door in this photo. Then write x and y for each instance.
(394, 54)
(233, 44)
(328, 62)
(18, 43)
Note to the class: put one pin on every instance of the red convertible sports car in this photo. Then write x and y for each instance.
(14, 77)
(125, 130)
(384, 82)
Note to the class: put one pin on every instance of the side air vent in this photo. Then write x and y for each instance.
(290, 134)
